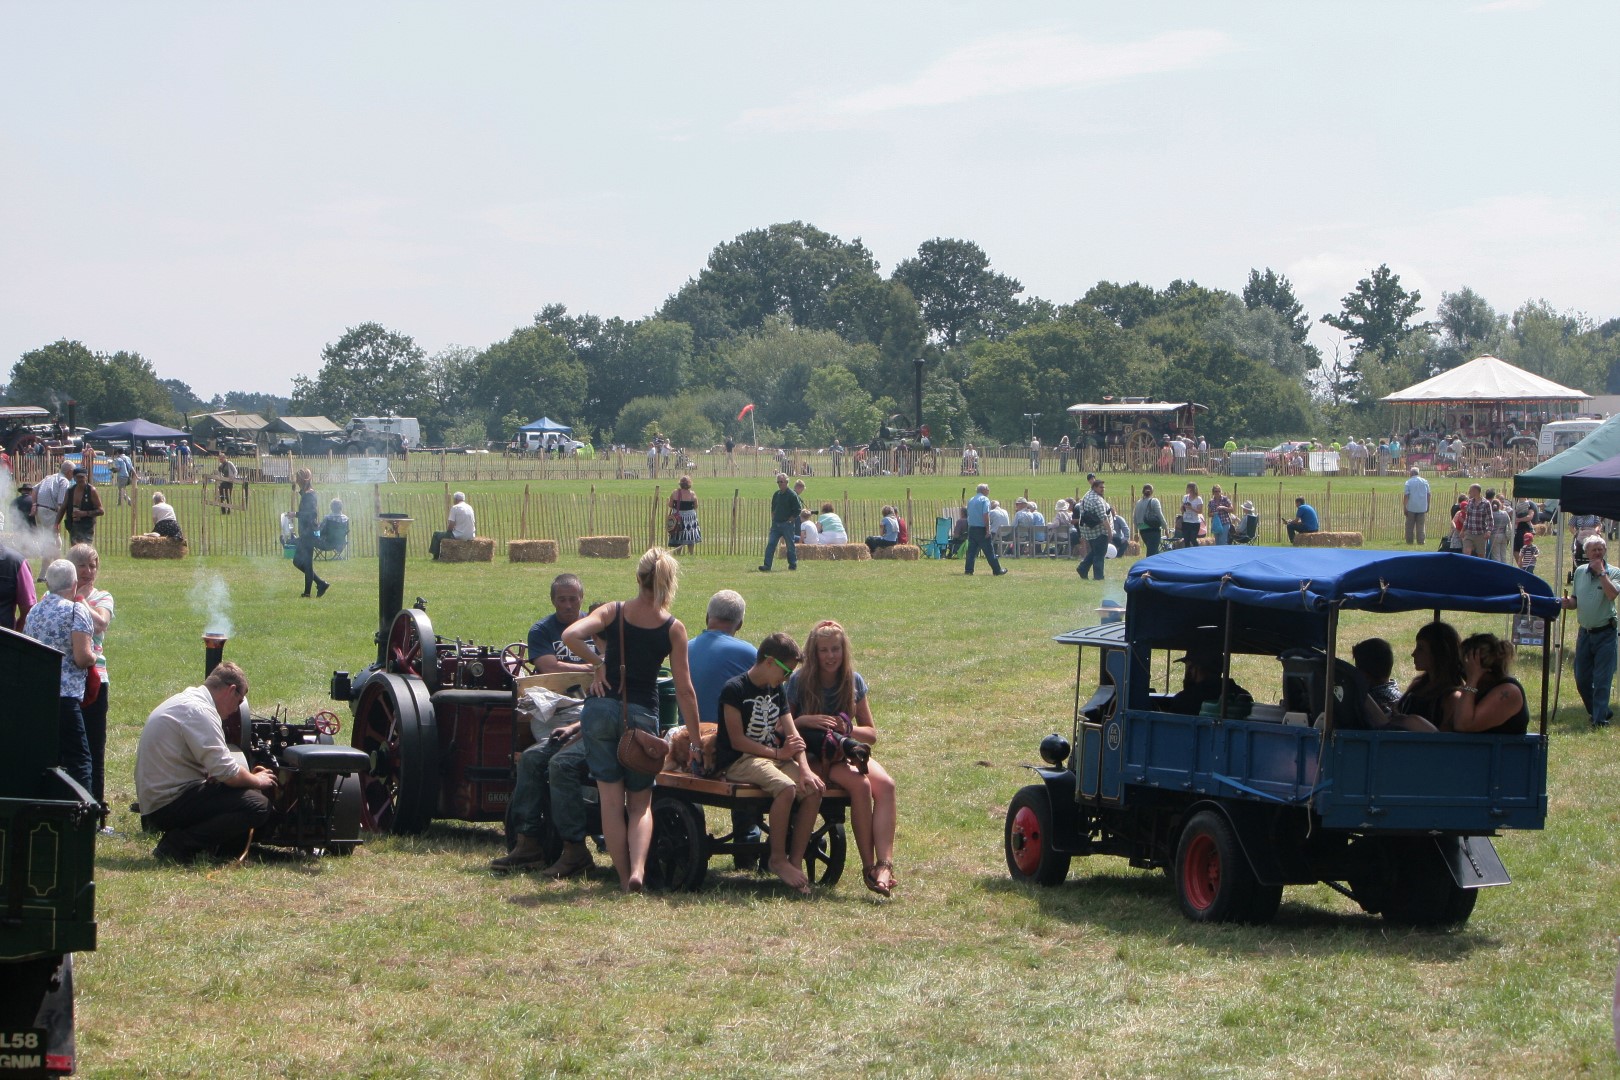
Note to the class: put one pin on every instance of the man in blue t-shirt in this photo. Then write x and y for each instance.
(715, 657)
(546, 649)
(1304, 519)
(978, 511)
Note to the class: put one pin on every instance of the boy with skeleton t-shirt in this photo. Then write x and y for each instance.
(757, 743)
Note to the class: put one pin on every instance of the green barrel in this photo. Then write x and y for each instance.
(669, 713)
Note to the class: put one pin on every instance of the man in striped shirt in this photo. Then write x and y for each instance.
(1476, 530)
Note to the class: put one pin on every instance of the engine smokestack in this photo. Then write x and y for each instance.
(392, 529)
(213, 652)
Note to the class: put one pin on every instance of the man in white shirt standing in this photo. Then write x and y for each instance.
(460, 525)
(191, 787)
(1178, 451)
(1415, 502)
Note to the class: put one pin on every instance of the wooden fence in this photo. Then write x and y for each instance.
(732, 525)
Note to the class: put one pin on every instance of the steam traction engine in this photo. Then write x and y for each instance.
(317, 797)
(438, 724)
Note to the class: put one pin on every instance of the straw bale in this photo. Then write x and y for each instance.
(543, 551)
(604, 547)
(478, 549)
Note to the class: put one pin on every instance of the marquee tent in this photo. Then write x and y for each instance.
(138, 430)
(1484, 379)
(1593, 489)
(545, 424)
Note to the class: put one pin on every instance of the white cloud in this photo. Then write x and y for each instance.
(1005, 64)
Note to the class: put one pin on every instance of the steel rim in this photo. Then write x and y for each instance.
(1026, 840)
(1201, 871)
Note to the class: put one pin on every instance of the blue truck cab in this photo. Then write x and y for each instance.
(1243, 798)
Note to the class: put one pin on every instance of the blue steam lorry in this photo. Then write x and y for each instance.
(1237, 799)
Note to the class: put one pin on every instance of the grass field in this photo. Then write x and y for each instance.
(411, 959)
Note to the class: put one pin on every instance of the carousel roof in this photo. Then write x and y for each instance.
(1481, 380)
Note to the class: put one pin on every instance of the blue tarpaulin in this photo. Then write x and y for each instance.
(545, 423)
(1315, 579)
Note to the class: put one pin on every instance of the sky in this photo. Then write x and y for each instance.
(226, 188)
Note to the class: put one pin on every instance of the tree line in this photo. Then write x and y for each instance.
(804, 325)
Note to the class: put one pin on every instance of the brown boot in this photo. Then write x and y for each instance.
(575, 859)
(527, 853)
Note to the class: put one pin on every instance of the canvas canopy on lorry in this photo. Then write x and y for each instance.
(1314, 580)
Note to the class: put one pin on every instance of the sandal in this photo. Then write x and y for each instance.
(870, 873)
(886, 864)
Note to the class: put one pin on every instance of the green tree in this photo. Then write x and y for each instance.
(182, 399)
(370, 370)
(960, 296)
(1273, 290)
(786, 269)
(772, 367)
(531, 373)
(840, 406)
(1262, 334)
(1124, 305)
(868, 310)
(1468, 327)
(105, 388)
(1378, 315)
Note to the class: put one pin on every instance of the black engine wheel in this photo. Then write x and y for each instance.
(1214, 881)
(1027, 839)
(395, 727)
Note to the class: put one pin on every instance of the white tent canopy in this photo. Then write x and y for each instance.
(1482, 380)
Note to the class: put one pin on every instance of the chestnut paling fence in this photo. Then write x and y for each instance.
(733, 524)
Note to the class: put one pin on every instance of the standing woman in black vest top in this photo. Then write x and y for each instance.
(309, 519)
(650, 634)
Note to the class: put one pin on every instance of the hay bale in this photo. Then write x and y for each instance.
(1328, 539)
(902, 552)
(153, 546)
(531, 550)
(604, 547)
(1544, 529)
(832, 552)
(478, 549)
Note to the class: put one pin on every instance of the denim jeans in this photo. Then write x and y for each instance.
(786, 530)
(978, 539)
(550, 781)
(601, 723)
(1594, 670)
(1096, 555)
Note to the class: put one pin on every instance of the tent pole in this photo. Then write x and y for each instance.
(1558, 578)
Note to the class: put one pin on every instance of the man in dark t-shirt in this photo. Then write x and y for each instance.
(758, 744)
(785, 508)
(546, 649)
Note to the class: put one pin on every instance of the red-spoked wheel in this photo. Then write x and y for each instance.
(1027, 839)
(412, 648)
(516, 660)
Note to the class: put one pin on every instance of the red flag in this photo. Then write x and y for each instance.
(746, 409)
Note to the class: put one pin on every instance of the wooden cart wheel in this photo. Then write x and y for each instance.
(412, 648)
(679, 858)
(395, 727)
(1139, 442)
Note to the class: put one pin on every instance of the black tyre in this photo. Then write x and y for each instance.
(679, 859)
(1027, 839)
(1410, 885)
(824, 857)
(1214, 881)
(395, 726)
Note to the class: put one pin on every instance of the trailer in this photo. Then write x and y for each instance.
(1244, 799)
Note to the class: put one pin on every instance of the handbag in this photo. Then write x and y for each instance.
(639, 751)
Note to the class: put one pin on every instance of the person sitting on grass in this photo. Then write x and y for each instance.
(757, 743)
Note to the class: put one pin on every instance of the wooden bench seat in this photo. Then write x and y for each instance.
(726, 789)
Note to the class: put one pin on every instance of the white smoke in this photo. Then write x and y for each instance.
(38, 544)
(211, 598)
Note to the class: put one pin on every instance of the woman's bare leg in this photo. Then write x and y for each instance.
(615, 827)
(860, 807)
(640, 838)
(884, 814)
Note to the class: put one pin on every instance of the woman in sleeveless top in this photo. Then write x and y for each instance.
(1493, 700)
(1438, 658)
(684, 531)
(827, 694)
(650, 633)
